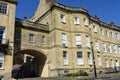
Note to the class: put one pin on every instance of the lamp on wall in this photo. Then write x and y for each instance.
(95, 73)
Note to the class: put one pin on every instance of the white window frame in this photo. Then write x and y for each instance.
(80, 58)
(109, 48)
(63, 18)
(112, 63)
(94, 28)
(4, 8)
(78, 40)
(113, 35)
(119, 49)
(107, 33)
(117, 36)
(89, 58)
(43, 40)
(86, 23)
(102, 32)
(99, 61)
(64, 39)
(107, 63)
(2, 59)
(115, 49)
(65, 58)
(97, 46)
(104, 48)
(31, 38)
(3, 35)
(117, 63)
(88, 41)
(76, 20)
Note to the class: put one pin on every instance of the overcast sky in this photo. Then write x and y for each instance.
(107, 10)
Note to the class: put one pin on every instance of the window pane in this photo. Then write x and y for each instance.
(79, 54)
(87, 41)
(78, 40)
(3, 8)
(65, 58)
(43, 39)
(31, 38)
(18, 35)
(64, 39)
(1, 60)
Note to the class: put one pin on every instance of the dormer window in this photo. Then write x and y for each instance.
(3, 8)
(63, 19)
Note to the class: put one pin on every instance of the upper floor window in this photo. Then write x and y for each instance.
(104, 48)
(115, 49)
(76, 20)
(63, 19)
(31, 37)
(109, 48)
(107, 33)
(43, 39)
(94, 28)
(18, 35)
(3, 8)
(87, 41)
(118, 49)
(97, 46)
(113, 35)
(85, 21)
(102, 31)
(117, 35)
(78, 40)
(1, 60)
(64, 39)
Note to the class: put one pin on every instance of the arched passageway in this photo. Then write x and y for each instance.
(30, 66)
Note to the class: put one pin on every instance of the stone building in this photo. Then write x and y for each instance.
(56, 41)
(7, 27)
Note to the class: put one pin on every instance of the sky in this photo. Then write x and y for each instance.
(107, 10)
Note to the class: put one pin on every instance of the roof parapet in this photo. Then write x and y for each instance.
(83, 9)
(97, 17)
(111, 23)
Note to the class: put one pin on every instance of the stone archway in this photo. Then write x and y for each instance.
(37, 62)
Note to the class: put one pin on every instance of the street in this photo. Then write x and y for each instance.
(109, 79)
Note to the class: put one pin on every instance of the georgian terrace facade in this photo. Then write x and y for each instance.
(68, 41)
(58, 39)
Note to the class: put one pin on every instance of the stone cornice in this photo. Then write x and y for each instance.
(11, 1)
(72, 9)
(31, 25)
(106, 25)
